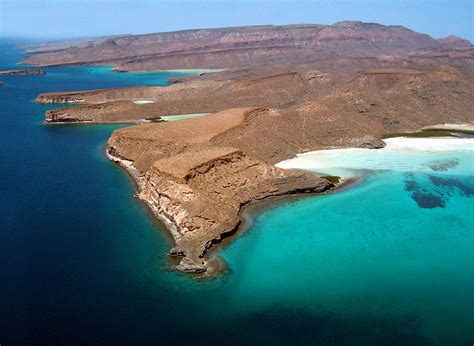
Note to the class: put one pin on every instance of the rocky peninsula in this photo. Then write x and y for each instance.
(284, 90)
(23, 72)
(196, 182)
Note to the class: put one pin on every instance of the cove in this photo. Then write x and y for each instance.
(396, 247)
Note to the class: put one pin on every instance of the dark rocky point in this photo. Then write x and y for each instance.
(23, 72)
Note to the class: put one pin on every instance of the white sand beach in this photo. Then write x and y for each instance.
(143, 102)
(400, 153)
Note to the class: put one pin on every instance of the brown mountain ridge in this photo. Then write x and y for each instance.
(236, 47)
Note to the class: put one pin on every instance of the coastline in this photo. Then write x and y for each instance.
(197, 71)
(166, 118)
(92, 122)
(251, 211)
(192, 70)
(168, 195)
(126, 164)
(213, 263)
(391, 156)
(139, 180)
(362, 263)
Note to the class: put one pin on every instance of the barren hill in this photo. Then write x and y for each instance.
(241, 46)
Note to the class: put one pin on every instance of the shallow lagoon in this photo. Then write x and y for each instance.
(397, 245)
(82, 261)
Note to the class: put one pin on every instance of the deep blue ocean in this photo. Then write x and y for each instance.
(389, 261)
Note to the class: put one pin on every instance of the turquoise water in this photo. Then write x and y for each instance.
(386, 262)
(453, 156)
(398, 246)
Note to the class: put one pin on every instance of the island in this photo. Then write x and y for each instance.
(23, 72)
(279, 91)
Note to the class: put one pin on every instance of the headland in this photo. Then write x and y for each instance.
(23, 72)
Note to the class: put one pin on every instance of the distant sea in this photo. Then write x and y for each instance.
(389, 261)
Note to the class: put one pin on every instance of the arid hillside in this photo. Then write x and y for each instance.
(198, 173)
(374, 100)
(241, 46)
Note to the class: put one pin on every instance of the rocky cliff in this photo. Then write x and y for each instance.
(108, 112)
(197, 187)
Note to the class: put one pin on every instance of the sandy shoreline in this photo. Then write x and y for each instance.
(347, 162)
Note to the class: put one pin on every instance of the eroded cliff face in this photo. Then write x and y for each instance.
(197, 188)
(199, 195)
(109, 112)
(60, 99)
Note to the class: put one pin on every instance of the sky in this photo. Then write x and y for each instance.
(88, 18)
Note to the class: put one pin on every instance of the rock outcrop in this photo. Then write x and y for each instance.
(110, 112)
(199, 195)
(23, 72)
